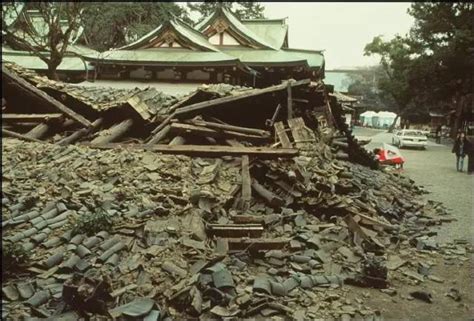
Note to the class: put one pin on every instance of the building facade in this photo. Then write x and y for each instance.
(219, 49)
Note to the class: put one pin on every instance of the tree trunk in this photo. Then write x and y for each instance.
(392, 126)
(52, 74)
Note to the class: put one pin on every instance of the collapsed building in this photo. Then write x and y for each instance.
(229, 202)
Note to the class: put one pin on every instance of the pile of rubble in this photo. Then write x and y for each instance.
(184, 242)
(244, 212)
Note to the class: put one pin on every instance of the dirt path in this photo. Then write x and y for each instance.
(433, 168)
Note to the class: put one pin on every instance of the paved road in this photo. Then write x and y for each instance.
(435, 169)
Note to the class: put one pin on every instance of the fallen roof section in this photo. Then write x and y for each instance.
(224, 100)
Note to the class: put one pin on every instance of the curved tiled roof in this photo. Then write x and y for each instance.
(181, 29)
(272, 31)
(235, 26)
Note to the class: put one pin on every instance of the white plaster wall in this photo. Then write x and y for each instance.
(214, 39)
(198, 75)
(166, 74)
(140, 73)
(229, 40)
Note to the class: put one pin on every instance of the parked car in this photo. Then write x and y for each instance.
(410, 138)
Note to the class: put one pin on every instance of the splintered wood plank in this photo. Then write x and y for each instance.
(206, 150)
(301, 134)
(282, 136)
(246, 184)
(235, 230)
(33, 91)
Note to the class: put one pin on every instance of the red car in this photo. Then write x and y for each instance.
(389, 155)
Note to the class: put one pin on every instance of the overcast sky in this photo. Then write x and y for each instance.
(341, 29)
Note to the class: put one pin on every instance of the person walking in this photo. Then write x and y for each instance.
(460, 148)
(470, 157)
(438, 134)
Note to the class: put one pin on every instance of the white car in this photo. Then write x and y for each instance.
(409, 138)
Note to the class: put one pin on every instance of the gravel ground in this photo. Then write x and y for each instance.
(435, 169)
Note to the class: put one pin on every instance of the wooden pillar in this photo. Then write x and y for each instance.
(246, 184)
(178, 140)
(159, 135)
(74, 137)
(9, 133)
(290, 101)
(271, 199)
(38, 131)
(113, 133)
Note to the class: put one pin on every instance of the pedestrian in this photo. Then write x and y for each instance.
(438, 134)
(470, 157)
(460, 148)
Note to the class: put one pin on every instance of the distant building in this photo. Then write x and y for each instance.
(221, 48)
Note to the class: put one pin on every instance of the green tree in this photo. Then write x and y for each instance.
(243, 10)
(114, 24)
(396, 62)
(46, 33)
(443, 38)
(365, 83)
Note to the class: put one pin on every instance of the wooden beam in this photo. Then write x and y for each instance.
(270, 122)
(163, 124)
(246, 184)
(38, 131)
(178, 140)
(74, 137)
(238, 129)
(289, 100)
(42, 95)
(113, 133)
(159, 135)
(235, 230)
(30, 117)
(9, 133)
(272, 199)
(299, 100)
(248, 219)
(282, 136)
(210, 104)
(205, 150)
(181, 129)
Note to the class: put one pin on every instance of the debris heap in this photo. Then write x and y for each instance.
(238, 205)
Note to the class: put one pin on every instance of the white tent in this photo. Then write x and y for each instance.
(386, 118)
(366, 118)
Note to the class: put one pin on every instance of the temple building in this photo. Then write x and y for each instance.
(221, 48)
